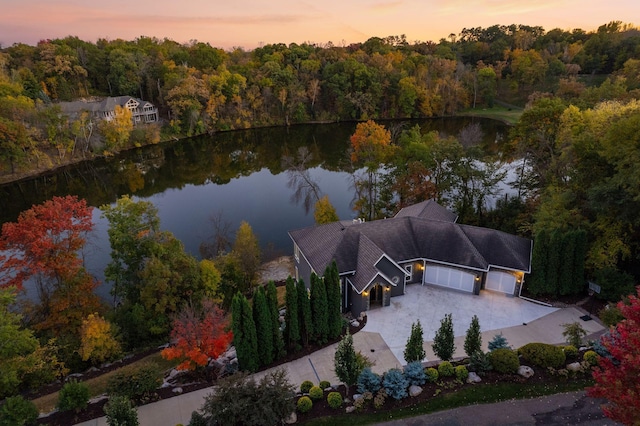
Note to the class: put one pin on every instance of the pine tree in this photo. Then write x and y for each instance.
(579, 253)
(443, 345)
(346, 361)
(567, 256)
(262, 319)
(539, 263)
(473, 338)
(498, 342)
(414, 350)
(304, 312)
(245, 339)
(554, 263)
(334, 308)
(319, 312)
(278, 340)
(292, 328)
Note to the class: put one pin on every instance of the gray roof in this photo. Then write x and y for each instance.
(357, 246)
(428, 209)
(107, 104)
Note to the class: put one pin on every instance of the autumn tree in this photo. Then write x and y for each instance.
(324, 211)
(247, 250)
(116, 131)
(616, 376)
(198, 334)
(98, 342)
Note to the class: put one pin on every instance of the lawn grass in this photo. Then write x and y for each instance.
(98, 385)
(507, 115)
(478, 394)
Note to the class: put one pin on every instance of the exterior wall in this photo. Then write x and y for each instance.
(303, 268)
(417, 272)
(359, 302)
(397, 290)
(387, 267)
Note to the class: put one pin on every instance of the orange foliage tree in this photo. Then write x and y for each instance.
(198, 334)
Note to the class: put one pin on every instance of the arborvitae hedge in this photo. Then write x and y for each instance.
(319, 314)
(245, 338)
(332, 284)
(262, 319)
(272, 301)
(292, 328)
(304, 312)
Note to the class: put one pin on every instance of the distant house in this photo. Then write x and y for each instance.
(141, 111)
(422, 244)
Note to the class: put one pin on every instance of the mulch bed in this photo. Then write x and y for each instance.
(96, 409)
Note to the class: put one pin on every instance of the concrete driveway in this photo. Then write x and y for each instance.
(430, 304)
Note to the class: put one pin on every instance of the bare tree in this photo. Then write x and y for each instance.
(305, 190)
(220, 241)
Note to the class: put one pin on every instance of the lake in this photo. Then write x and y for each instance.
(235, 175)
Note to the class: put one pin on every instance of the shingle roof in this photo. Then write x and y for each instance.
(428, 209)
(357, 246)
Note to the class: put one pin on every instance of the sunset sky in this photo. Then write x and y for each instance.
(250, 23)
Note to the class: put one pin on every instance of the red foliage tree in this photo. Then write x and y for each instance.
(44, 242)
(617, 376)
(199, 334)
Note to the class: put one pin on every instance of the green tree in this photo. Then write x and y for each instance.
(262, 320)
(334, 302)
(414, 350)
(324, 211)
(443, 343)
(473, 338)
(278, 340)
(247, 251)
(304, 311)
(73, 396)
(537, 283)
(120, 412)
(245, 338)
(291, 318)
(487, 85)
(319, 314)
(17, 411)
(346, 361)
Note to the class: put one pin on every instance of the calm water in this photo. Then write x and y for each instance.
(236, 175)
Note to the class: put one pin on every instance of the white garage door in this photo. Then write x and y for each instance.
(500, 281)
(449, 277)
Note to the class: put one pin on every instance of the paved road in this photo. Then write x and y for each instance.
(573, 408)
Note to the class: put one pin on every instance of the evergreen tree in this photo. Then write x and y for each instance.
(539, 263)
(319, 309)
(443, 345)
(262, 319)
(292, 328)
(579, 254)
(567, 256)
(334, 303)
(554, 262)
(278, 341)
(473, 338)
(304, 311)
(245, 339)
(346, 361)
(414, 350)
(498, 342)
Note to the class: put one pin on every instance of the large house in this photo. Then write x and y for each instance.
(141, 111)
(422, 244)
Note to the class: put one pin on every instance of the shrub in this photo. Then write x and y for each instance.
(543, 355)
(73, 396)
(395, 384)
(17, 411)
(368, 381)
(504, 360)
(316, 393)
(306, 386)
(462, 373)
(479, 363)
(574, 333)
(380, 398)
(140, 382)
(120, 412)
(432, 375)
(445, 369)
(610, 315)
(324, 384)
(334, 399)
(498, 342)
(591, 357)
(414, 373)
(304, 404)
(570, 351)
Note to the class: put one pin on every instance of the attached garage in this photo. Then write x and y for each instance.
(450, 278)
(503, 282)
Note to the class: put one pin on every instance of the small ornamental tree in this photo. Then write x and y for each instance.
(346, 362)
(616, 377)
(98, 343)
(443, 344)
(473, 338)
(199, 334)
(414, 350)
(292, 328)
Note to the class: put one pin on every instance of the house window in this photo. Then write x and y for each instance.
(296, 253)
(409, 269)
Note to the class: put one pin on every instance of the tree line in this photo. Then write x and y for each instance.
(199, 88)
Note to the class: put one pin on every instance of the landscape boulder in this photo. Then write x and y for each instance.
(574, 366)
(414, 390)
(473, 378)
(525, 371)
